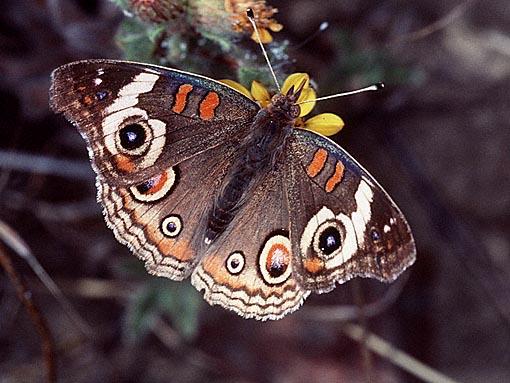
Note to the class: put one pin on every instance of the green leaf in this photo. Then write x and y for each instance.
(139, 40)
(141, 314)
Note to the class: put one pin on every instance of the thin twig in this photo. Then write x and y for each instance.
(436, 26)
(14, 241)
(45, 165)
(365, 353)
(339, 313)
(25, 296)
(395, 355)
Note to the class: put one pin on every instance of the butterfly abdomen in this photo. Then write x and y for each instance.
(258, 155)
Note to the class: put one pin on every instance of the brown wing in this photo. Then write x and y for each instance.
(160, 218)
(249, 269)
(139, 119)
(343, 224)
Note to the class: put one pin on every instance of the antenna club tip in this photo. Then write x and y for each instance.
(250, 14)
(379, 85)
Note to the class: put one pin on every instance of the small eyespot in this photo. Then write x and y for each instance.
(330, 240)
(132, 136)
(101, 95)
(375, 235)
(235, 263)
(155, 188)
(171, 226)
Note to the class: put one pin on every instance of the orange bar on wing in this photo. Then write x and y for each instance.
(336, 178)
(317, 164)
(313, 265)
(124, 163)
(181, 98)
(208, 105)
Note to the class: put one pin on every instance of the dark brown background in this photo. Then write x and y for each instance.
(437, 138)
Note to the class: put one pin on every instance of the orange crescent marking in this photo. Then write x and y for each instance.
(124, 163)
(335, 179)
(208, 105)
(313, 265)
(181, 98)
(317, 164)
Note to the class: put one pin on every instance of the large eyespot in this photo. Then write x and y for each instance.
(235, 263)
(155, 188)
(130, 132)
(275, 260)
(134, 137)
(328, 238)
(171, 226)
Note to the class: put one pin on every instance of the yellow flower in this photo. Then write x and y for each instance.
(326, 124)
(263, 18)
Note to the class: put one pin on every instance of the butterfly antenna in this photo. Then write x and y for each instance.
(251, 17)
(322, 27)
(377, 86)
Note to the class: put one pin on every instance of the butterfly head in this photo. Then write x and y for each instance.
(284, 106)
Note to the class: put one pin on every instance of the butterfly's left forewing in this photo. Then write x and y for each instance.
(343, 224)
(138, 119)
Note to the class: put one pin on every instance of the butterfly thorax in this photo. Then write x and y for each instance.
(258, 155)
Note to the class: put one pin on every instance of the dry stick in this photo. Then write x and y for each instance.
(395, 355)
(349, 312)
(442, 23)
(365, 354)
(372, 341)
(15, 243)
(45, 165)
(25, 296)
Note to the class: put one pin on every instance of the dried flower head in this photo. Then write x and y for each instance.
(263, 15)
(157, 11)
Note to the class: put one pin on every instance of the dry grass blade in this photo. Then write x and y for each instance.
(12, 240)
(438, 25)
(394, 355)
(24, 295)
(45, 165)
(351, 312)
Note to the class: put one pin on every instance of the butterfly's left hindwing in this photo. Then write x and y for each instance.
(159, 220)
(343, 224)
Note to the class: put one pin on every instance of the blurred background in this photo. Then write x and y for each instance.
(437, 138)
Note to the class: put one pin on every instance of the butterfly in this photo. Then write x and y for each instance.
(199, 180)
